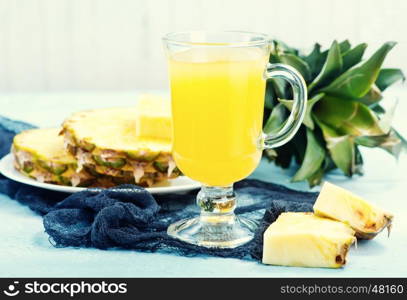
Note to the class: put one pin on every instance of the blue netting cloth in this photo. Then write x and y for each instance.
(129, 217)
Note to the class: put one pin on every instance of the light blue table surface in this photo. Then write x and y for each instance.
(26, 252)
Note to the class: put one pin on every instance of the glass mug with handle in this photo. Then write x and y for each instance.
(218, 82)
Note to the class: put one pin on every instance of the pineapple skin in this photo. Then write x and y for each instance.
(39, 154)
(339, 204)
(305, 240)
(139, 164)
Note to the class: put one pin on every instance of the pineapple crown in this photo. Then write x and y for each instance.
(343, 110)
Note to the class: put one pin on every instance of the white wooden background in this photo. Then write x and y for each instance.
(58, 45)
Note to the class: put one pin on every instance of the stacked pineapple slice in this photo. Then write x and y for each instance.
(111, 146)
(130, 145)
(40, 154)
(323, 238)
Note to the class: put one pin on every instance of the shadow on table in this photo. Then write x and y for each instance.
(367, 248)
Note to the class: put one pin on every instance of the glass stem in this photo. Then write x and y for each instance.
(217, 226)
(217, 204)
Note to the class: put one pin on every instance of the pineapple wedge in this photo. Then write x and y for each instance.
(339, 204)
(153, 118)
(105, 142)
(306, 240)
(40, 154)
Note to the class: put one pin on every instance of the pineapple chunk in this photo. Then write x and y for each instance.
(339, 204)
(305, 240)
(153, 118)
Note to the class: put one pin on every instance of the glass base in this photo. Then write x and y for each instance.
(209, 231)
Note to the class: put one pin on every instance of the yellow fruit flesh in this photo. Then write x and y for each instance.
(113, 129)
(45, 144)
(339, 204)
(105, 141)
(305, 240)
(153, 118)
(217, 100)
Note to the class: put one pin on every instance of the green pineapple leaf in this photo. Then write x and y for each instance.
(356, 81)
(276, 119)
(315, 59)
(387, 118)
(348, 117)
(299, 142)
(316, 178)
(378, 109)
(310, 104)
(270, 96)
(353, 56)
(314, 156)
(331, 67)
(388, 77)
(373, 96)
(344, 46)
(299, 64)
(358, 161)
(329, 164)
(389, 142)
(341, 148)
(281, 46)
(275, 89)
(280, 87)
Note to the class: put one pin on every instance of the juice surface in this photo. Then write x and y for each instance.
(217, 106)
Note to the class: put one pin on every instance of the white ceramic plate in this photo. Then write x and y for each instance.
(179, 184)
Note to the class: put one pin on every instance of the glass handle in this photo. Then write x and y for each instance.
(297, 114)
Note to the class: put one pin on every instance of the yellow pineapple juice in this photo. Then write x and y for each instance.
(217, 108)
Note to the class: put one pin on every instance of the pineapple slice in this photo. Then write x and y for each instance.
(105, 142)
(339, 204)
(306, 240)
(40, 154)
(153, 118)
(45, 144)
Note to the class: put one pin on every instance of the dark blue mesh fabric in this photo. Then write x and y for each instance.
(131, 218)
